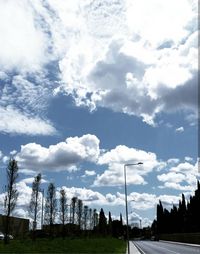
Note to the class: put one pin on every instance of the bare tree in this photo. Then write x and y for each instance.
(85, 216)
(63, 209)
(73, 208)
(11, 195)
(35, 202)
(79, 211)
(50, 206)
(90, 218)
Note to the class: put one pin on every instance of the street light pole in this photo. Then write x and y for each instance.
(126, 203)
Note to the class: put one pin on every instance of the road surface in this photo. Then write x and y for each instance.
(155, 247)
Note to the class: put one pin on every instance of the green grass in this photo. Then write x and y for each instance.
(58, 245)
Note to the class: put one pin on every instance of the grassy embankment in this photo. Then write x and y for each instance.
(58, 245)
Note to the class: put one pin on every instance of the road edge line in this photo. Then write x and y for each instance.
(140, 250)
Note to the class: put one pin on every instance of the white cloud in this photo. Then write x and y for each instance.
(14, 121)
(62, 156)
(157, 15)
(188, 158)
(180, 129)
(180, 177)
(90, 173)
(142, 201)
(130, 69)
(173, 161)
(23, 44)
(117, 68)
(171, 176)
(5, 159)
(12, 153)
(117, 157)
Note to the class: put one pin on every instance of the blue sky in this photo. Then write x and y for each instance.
(88, 86)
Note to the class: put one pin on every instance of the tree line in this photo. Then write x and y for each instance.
(71, 214)
(183, 218)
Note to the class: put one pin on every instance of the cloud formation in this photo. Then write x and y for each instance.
(130, 69)
(14, 121)
(138, 71)
(117, 157)
(182, 176)
(62, 156)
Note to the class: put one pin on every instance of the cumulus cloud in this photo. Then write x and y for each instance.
(117, 157)
(118, 75)
(62, 156)
(182, 176)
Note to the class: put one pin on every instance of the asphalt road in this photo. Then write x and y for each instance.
(154, 247)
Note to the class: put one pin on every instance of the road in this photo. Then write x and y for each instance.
(154, 247)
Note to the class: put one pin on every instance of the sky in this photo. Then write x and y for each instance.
(89, 86)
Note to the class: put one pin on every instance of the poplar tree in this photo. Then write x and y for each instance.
(73, 208)
(10, 196)
(79, 212)
(63, 209)
(85, 216)
(35, 202)
(50, 206)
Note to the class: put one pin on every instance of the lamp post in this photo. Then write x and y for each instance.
(126, 203)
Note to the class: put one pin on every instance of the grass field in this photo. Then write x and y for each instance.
(58, 245)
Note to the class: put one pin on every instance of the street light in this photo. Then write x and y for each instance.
(127, 231)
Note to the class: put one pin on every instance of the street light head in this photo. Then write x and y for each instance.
(133, 164)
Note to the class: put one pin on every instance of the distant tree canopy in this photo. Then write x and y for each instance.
(182, 219)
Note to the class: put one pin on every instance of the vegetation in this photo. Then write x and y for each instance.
(68, 245)
(11, 196)
(182, 219)
(63, 209)
(34, 203)
(51, 207)
(182, 237)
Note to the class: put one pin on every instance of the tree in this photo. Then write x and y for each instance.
(160, 217)
(95, 218)
(79, 212)
(121, 220)
(85, 216)
(50, 206)
(73, 208)
(90, 218)
(102, 222)
(110, 223)
(63, 209)
(34, 203)
(11, 195)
